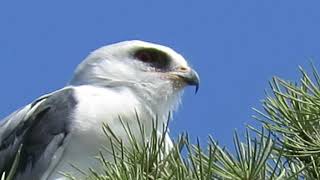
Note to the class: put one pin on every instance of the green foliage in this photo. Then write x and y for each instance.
(254, 159)
(287, 146)
(292, 114)
(151, 159)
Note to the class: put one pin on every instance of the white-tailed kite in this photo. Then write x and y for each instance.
(63, 127)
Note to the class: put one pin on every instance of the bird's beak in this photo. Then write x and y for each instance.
(190, 77)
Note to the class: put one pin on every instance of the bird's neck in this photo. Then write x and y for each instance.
(161, 102)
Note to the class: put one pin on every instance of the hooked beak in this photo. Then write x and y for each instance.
(190, 77)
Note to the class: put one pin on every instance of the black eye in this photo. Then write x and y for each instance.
(144, 56)
(153, 57)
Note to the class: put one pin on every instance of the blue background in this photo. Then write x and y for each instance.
(236, 46)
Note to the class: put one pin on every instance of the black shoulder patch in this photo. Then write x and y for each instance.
(50, 119)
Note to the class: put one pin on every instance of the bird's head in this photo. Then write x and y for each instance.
(147, 68)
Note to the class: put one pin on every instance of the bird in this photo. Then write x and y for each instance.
(124, 79)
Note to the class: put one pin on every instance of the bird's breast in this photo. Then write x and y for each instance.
(95, 107)
(101, 105)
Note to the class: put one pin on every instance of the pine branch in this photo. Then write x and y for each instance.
(286, 147)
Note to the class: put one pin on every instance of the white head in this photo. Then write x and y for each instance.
(157, 74)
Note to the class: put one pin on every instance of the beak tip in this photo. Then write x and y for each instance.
(194, 80)
(190, 78)
(197, 88)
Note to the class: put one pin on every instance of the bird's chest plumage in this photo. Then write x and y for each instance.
(100, 105)
(95, 107)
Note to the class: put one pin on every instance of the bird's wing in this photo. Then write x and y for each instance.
(41, 129)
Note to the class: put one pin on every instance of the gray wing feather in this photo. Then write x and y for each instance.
(42, 128)
(12, 129)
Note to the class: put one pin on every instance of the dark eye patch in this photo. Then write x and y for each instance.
(153, 57)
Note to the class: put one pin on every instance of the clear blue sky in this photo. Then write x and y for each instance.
(236, 46)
